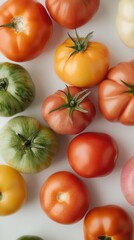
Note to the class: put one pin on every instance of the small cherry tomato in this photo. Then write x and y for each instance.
(62, 110)
(92, 154)
(64, 197)
(12, 190)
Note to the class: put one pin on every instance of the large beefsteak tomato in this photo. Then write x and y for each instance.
(25, 28)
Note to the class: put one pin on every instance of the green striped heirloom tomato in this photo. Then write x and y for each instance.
(72, 13)
(69, 111)
(17, 89)
(125, 22)
(29, 237)
(26, 145)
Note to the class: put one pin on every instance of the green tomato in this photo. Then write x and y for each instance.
(29, 237)
(17, 89)
(26, 145)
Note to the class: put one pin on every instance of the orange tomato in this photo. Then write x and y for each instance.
(12, 190)
(80, 62)
(116, 94)
(25, 28)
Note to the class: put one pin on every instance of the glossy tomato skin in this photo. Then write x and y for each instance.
(77, 12)
(13, 190)
(109, 221)
(116, 98)
(83, 69)
(60, 120)
(127, 180)
(92, 154)
(64, 197)
(30, 33)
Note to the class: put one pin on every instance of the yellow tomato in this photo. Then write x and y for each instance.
(81, 63)
(12, 190)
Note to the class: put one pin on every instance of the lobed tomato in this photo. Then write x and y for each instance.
(72, 14)
(12, 190)
(108, 222)
(92, 154)
(116, 94)
(62, 110)
(80, 62)
(25, 28)
(64, 197)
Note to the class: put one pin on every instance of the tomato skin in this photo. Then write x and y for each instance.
(92, 154)
(116, 99)
(64, 197)
(108, 221)
(13, 190)
(83, 69)
(59, 120)
(36, 29)
(127, 180)
(85, 11)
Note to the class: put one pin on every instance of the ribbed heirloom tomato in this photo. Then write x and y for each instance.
(25, 28)
(81, 62)
(72, 13)
(64, 197)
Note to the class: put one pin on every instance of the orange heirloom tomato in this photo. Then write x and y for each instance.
(109, 222)
(64, 197)
(116, 94)
(12, 190)
(25, 28)
(80, 62)
(72, 13)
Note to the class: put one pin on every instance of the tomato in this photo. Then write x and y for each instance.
(72, 14)
(127, 180)
(13, 191)
(62, 110)
(26, 145)
(92, 154)
(25, 29)
(109, 222)
(116, 94)
(125, 22)
(64, 197)
(80, 62)
(17, 89)
(29, 237)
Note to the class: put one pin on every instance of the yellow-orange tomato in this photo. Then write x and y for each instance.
(12, 190)
(81, 63)
(25, 28)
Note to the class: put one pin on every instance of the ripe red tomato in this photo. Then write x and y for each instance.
(25, 28)
(72, 13)
(92, 154)
(64, 197)
(62, 110)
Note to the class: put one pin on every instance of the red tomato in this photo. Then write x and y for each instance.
(116, 94)
(25, 28)
(62, 110)
(72, 13)
(92, 154)
(127, 180)
(64, 197)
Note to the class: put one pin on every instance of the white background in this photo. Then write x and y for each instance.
(30, 219)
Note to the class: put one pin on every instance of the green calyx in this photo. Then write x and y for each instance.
(73, 102)
(0, 195)
(104, 238)
(3, 84)
(80, 44)
(131, 87)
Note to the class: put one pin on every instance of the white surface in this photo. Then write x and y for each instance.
(30, 219)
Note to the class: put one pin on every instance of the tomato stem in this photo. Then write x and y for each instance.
(104, 238)
(3, 84)
(0, 195)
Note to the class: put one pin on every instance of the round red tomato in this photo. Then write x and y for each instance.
(72, 14)
(92, 154)
(64, 197)
(25, 28)
(62, 110)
